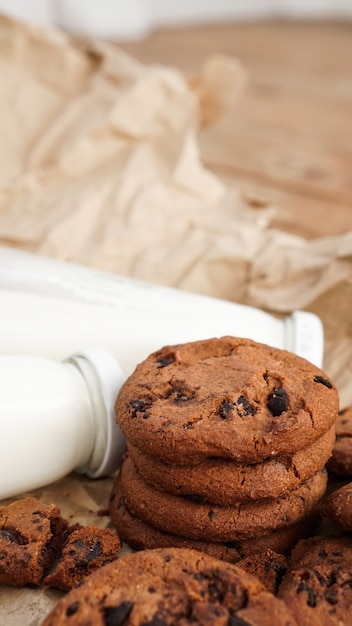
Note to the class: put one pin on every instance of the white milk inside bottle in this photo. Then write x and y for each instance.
(52, 308)
(56, 417)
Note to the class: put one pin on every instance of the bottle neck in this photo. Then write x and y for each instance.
(103, 378)
(95, 417)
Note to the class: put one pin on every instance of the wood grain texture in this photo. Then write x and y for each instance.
(289, 141)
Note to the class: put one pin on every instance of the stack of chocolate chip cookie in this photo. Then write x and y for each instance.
(227, 444)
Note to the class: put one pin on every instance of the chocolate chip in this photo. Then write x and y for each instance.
(280, 571)
(331, 596)
(180, 397)
(322, 580)
(181, 393)
(277, 402)
(225, 409)
(216, 590)
(72, 608)
(13, 536)
(322, 554)
(199, 576)
(234, 620)
(233, 544)
(247, 407)
(323, 381)
(117, 615)
(194, 497)
(244, 407)
(311, 599)
(166, 360)
(139, 406)
(94, 551)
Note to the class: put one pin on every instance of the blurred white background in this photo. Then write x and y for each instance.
(134, 19)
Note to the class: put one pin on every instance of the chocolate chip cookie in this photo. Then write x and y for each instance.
(140, 536)
(340, 463)
(30, 536)
(223, 481)
(171, 586)
(337, 507)
(318, 583)
(229, 398)
(210, 522)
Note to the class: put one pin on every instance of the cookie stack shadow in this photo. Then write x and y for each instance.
(227, 442)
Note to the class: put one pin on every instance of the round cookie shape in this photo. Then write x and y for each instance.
(222, 481)
(318, 583)
(337, 507)
(211, 522)
(164, 587)
(141, 536)
(340, 463)
(229, 397)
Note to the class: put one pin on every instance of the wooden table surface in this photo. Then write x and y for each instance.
(289, 141)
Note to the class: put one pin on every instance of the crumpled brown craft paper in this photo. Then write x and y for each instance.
(99, 164)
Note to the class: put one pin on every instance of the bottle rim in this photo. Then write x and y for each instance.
(110, 378)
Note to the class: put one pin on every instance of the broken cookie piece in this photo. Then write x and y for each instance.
(30, 536)
(85, 550)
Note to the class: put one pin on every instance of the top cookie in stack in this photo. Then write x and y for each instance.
(227, 440)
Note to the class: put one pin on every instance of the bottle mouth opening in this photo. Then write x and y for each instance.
(109, 445)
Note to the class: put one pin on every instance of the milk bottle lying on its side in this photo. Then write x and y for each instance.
(52, 308)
